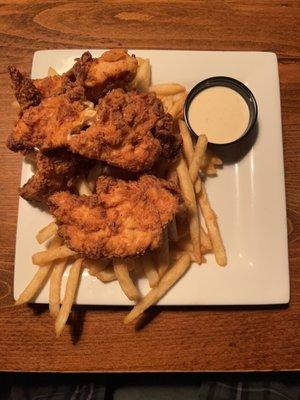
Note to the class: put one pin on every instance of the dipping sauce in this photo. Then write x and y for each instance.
(220, 113)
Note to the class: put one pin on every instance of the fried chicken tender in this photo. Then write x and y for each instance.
(54, 172)
(131, 131)
(49, 86)
(24, 90)
(115, 68)
(48, 125)
(30, 92)
(122, 219)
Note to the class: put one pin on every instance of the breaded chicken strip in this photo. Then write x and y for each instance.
(24, 90)
(30, 92)
(123, 219)
(54, 173)
(50, 86)
(115, 68)
(131, 131)
(48, 125)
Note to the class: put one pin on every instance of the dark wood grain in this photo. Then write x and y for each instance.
(177, 339)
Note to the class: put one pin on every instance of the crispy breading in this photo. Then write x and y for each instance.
(48, 125)
(115, 68)
(123, 219)
(50, 85)
(54, 172)
(131, 131)
(25, 92)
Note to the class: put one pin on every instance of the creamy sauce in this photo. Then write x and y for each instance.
(220, 113)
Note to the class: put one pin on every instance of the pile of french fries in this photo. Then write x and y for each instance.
(185, 240)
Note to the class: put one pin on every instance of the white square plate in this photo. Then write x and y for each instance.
(248, 196)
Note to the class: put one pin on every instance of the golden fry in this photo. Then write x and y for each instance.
(70, 292)
(150, 270)
(101, 269)
(167, 89)
(205, 240)
(212, 228)
(199, 152)
(188, 148)
(95, 266)
(52, 72)
(39, 279)
(166, 282)
(209, 163)
(58, 269)
(177, 106)
(143, 76)
(82, 186)
(125, 281)
(46, 256)
(168, 103)
(107, 275)
(190, 200)
(162, 255)
(47, 232)
(37, 282)
(93, 175)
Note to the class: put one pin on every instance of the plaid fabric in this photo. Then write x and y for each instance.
(96, 388)
(258, 390)
(89, 391)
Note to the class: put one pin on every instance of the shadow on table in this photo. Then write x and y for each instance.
(77, 316)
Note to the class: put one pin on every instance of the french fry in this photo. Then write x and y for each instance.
(199, 152)
(107, 275)
(125, 281)
(150, 270)
(93, 175)
(188, 148)
(177, 106)
(143, 76)
(172, 231)
(212, 228)
(52, 72)
(37, 282)
(46, 256)
(162, 255)
(205, 240)
(47, 232)
(166, 282)
(96, 266)
(82, 186)
(39, 279)
(58, 269)
(167, 89)
(176, 254)
(70, 292)
(190, 200)
(168, 103)
(185, 245)
(210, 162)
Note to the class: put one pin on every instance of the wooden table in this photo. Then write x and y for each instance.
(179, 339)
